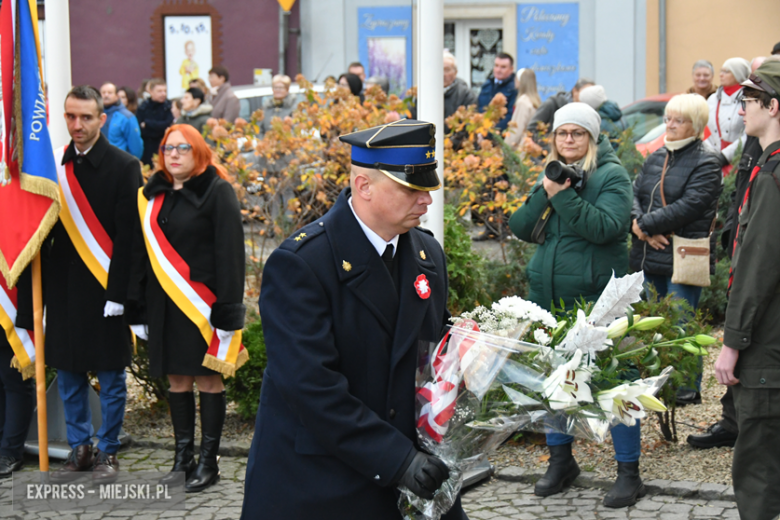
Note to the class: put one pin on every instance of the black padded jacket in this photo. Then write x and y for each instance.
(692, 185)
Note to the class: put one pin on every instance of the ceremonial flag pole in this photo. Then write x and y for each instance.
(29, 194)
(40, 367)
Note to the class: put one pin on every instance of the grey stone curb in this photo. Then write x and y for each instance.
(681, 488)
(226, 449)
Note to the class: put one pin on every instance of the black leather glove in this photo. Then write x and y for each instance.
(424, 475)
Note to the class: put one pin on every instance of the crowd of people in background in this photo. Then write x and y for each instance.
(584, 239)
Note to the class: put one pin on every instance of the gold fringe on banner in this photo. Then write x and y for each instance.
(226, 368)
(12, 274)
(27, 372)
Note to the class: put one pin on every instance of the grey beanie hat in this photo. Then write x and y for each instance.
(579, 114)
(594, 95)
(739, 67)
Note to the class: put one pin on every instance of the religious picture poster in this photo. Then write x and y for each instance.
(548, 37)
(187, 51)
(385, 45)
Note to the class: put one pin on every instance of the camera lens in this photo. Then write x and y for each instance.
(555, 171)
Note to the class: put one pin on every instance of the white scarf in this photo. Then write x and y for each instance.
(673, 146)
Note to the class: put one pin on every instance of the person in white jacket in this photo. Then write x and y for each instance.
(727, 129)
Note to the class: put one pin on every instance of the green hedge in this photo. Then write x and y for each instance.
(244, 388)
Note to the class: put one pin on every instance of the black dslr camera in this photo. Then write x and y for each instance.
(558, 172)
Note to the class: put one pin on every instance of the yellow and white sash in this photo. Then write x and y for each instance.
(193, 298)
(91, 241)
(20, 340)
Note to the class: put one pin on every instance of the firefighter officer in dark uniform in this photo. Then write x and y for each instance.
(344, 304)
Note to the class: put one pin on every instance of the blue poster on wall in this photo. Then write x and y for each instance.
(548, 43)
(385, 44)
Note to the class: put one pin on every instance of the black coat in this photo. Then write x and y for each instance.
(78, 337)
(546, 113)
(692, 186)
(202, 221)
(337, 407)
(458, 95)
(750, 155)
(153, 118)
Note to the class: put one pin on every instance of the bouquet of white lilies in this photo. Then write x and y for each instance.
(515, 366)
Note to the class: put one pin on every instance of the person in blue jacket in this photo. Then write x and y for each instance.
(121, 127)
(344, 303)
(502, 80)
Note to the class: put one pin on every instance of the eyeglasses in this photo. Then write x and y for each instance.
(676, 120)
(743, 101)
(575, 134)
(183, 148)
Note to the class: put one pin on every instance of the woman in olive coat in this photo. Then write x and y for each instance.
(201, 219)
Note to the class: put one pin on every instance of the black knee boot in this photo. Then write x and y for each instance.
(562, 471)
(183, 418)
(212, 418)
(628, 487)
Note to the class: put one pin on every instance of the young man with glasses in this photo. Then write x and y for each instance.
(750, 358)
(86, 269)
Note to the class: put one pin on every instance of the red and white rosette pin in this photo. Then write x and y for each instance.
(423, 287)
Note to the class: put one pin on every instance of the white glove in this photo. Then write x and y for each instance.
(224, 335)
(141, 331)
(113, 309)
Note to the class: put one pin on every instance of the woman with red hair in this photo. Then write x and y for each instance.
(186, 296)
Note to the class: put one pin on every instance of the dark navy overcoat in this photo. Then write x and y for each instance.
(337, 414)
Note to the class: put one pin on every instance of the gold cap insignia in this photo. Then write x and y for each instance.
(299, 237)
(422, 254)
(346, 266)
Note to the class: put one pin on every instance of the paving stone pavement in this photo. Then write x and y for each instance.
(491, 500)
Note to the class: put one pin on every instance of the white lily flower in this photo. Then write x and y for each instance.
(568, 384)
(585, 337)
(629, 401)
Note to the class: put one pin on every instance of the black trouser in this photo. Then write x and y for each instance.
(756, 464)
(16, 405)
(729, 420)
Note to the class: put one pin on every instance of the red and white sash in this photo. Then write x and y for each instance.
(193, 298)
(20, 340)
(91, 241)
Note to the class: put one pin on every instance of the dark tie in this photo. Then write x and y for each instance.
(387, 258)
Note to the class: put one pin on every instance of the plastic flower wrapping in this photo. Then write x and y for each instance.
(515, 366)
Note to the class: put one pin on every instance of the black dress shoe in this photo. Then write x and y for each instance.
(8, 465)
(715, 437)
(686, 397)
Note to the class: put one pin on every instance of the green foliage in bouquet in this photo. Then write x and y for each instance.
(680, 322)
(244, 388)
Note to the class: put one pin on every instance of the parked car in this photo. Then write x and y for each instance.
(646, 114)
(252, 97)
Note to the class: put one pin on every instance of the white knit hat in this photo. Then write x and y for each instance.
(594, 95)
(579, 114)
(739, 67)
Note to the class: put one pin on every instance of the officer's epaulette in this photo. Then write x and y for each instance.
(303, 236)
(424, 230)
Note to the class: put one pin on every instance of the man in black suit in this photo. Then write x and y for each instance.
(84, 296)
(344, 303)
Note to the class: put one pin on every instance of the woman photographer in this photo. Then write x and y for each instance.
(583, 241)
(188, 286)
(676, 193)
